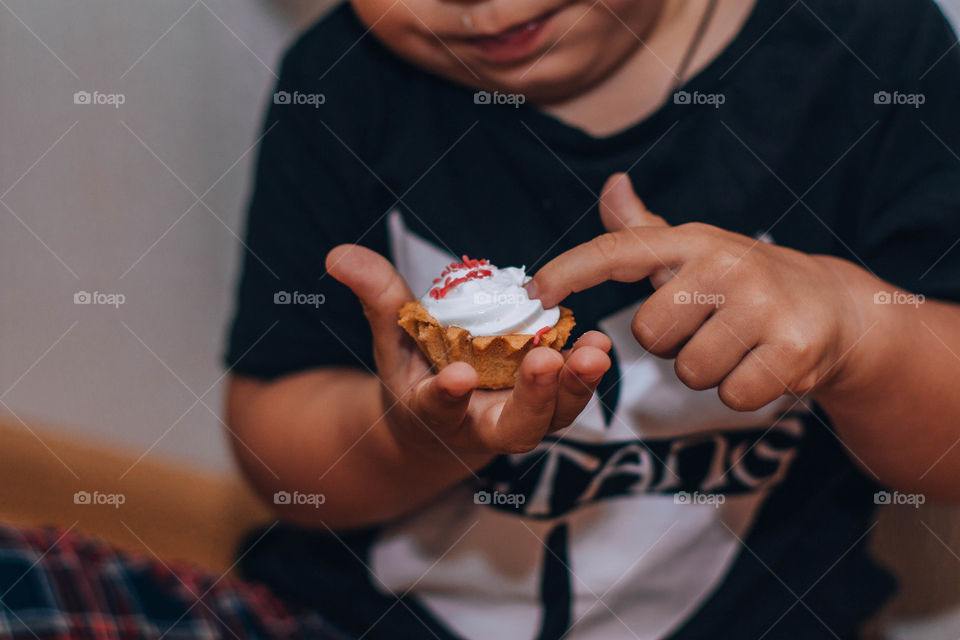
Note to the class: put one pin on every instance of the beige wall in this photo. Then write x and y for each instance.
(92, 207)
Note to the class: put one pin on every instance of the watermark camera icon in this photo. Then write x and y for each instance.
(300, 499)
(97, 498)
(697, 498)
(915, 100)
(99, 98)
(512, 99)
(899, 298)
(714, 100)
(499, 499)
(299, 298)
(915, 500)
(297, 98)
(698, 297)
(99, 298)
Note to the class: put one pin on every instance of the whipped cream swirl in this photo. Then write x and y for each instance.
(486, 301)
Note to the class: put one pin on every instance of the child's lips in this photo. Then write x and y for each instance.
(511, 44)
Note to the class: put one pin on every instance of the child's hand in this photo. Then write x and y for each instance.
(444, 413)
(756, 319)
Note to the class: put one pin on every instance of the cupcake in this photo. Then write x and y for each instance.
(481, 315)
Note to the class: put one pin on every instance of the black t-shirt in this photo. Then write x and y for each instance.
(829, 126)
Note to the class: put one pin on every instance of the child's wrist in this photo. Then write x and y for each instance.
(866, 332)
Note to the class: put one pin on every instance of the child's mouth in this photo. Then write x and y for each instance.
(511, 44)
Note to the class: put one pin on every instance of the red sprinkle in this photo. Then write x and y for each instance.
(466, 264)
(536, 337)
(474, 273)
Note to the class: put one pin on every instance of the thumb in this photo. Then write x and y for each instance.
(381, 291)
(621, 208)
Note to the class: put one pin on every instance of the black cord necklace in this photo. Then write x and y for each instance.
(694, 44)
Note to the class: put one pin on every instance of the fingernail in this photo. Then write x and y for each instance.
(623, 183)
(590, 382)
(544, 378)
(532, 289)
(453, 395)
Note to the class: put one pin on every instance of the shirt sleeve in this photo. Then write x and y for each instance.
(290, 315)
(909, 227)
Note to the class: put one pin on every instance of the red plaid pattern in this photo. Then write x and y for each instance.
(60, 585)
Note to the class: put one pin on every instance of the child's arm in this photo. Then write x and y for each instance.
(895, 401)
(759, 321)
(377, 446)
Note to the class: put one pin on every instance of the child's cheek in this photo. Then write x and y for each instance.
(407, 28)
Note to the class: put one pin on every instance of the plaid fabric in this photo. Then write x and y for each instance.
(59, 585)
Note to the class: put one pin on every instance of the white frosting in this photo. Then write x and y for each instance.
(494, 305)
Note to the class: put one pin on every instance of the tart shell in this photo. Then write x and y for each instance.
(496, 359)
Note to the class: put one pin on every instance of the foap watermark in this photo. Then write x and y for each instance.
(899, 297)
(99, 298)
(698, 297)
(512, 99)
(498, 498)
(696, 98)
(712, 499)
(912, 499)
(114, 100)
(914, 100)
(296, 297)
(296, 498)
(97, 498)
(311, 99)
(485, 297)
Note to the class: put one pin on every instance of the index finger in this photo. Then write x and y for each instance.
(627, 255)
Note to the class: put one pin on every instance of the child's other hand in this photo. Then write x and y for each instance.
(445, 412)
(755, 319)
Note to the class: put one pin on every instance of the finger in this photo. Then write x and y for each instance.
(628, 255)
(441, 401)
(520, 424)
(621, 208)
(671, 316)
(713, 352)
(762, 376)
(578, 380)
(594, 339)
(381, 291)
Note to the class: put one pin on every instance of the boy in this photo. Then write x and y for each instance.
(802, 160)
